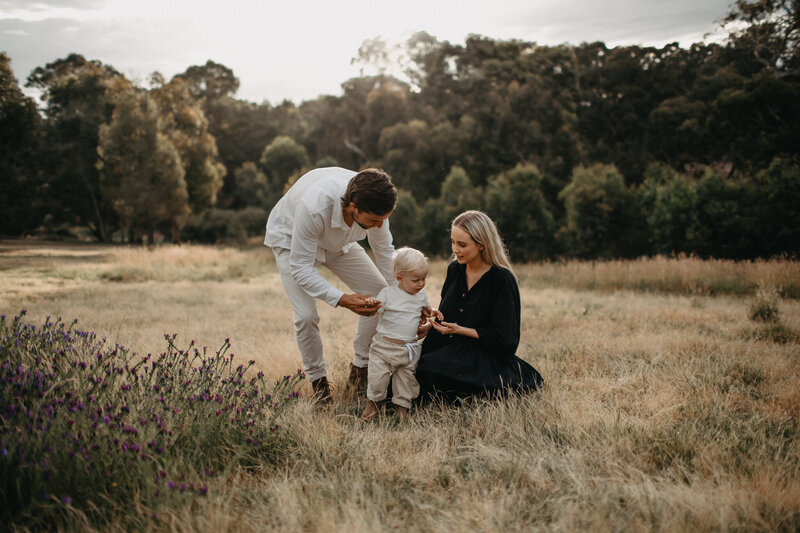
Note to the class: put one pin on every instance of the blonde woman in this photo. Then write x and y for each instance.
(473, 350)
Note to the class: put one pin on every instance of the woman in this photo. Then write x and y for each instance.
(472, 351)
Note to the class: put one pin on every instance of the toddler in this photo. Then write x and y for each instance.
(395, 350)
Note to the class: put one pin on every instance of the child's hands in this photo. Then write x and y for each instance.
(435, 315)
(372, 301)
(428, 316)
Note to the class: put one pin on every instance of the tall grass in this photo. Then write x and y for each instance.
(685, 275)
(667, 406)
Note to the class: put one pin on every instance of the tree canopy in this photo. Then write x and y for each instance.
(576, 150)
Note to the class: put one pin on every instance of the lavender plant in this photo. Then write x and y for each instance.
(94, 427)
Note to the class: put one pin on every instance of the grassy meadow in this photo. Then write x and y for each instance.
(671, 403)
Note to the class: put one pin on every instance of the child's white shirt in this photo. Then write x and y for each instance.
(398, 317)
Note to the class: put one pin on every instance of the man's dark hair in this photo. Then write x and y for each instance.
(372, 191)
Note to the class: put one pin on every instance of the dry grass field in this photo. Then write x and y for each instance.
(666, 406)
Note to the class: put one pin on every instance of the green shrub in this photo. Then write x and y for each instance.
(515, 201)
(406, 224)
(602, 214)
(225, 225)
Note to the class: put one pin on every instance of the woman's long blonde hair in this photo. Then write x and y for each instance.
(483, 231)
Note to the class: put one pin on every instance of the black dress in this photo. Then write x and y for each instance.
(454, 366)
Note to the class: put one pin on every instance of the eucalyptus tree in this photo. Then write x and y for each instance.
(186, 127)
(280, 159)
(602, 216)
(20, 188)
(770, 31)
(140, 169)
(76, 104)
(515, 201)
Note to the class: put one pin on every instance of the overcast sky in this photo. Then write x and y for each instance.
(299, 49)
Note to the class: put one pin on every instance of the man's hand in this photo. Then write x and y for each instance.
(360, 304)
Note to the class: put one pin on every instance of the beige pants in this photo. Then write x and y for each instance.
(387, 359)
(358, 271)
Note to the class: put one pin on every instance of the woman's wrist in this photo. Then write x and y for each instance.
(467, 332)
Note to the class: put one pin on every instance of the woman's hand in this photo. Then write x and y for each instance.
(452, 328)
(447, 328)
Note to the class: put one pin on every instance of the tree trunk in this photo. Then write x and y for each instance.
(176, 232)
(100, 231)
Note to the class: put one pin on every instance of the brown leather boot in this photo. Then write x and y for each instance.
(322, 390)
(357, 378)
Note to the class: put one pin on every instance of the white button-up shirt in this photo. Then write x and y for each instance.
(308, 222)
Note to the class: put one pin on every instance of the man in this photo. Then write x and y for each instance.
(317, 222)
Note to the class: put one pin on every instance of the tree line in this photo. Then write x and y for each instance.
(576, 150)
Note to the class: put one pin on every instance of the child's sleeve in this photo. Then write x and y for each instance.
(383, 297)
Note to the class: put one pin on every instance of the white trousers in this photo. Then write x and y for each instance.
(358, 271)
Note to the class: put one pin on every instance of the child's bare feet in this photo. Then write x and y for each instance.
(370, 412)
(402, 412)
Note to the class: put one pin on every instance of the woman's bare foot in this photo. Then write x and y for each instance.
(402, 412)
(371, 411)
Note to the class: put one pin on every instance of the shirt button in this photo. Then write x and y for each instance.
(461, 310)
(463, 294)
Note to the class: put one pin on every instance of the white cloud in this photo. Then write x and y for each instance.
(612, 21)
(300, 49)
(16, 7)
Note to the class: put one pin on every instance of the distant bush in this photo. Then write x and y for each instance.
(406, 224)
(779, 208)
(90, 427)
(251, 187)
(602, 214)
(672, 216)
(515, 201)
(225, 225)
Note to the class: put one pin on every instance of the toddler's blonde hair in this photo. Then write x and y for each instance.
(408, 260)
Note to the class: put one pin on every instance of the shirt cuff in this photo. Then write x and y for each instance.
(333, 296)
